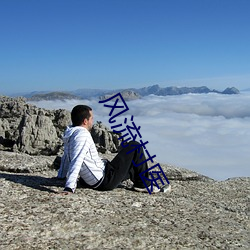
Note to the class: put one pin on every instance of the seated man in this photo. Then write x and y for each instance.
(81, 158)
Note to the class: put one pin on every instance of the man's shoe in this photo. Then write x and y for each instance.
(166, 188)
(154, 189)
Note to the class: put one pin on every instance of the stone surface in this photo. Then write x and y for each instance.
(196, 215)
(199, 213)
(23, 163)
(105, 139)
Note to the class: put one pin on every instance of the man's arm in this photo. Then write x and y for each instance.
(78, 148)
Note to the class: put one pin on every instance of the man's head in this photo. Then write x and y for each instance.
(81, 115)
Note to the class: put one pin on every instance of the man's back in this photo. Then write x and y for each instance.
(80, 157)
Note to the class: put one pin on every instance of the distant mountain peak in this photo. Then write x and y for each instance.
(230, 91)
(56, 95)
(127, 95)
(173, 90)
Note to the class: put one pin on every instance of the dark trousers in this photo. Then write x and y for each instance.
(122, 168)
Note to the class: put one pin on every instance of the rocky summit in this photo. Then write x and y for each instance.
(199, 213)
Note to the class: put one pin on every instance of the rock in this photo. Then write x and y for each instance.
(182, 174)
(29, 129)
(199, 213)
(195, 215)
(105, 139)
(24, 163)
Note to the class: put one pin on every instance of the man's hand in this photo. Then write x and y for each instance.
(66, 191)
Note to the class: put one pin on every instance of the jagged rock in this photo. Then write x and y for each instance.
(105, 139)
(37, 133)
(61, 120)
(27, 128)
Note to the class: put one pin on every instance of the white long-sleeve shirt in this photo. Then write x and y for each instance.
(80, 157)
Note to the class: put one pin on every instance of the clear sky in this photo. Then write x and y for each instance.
(71, 44)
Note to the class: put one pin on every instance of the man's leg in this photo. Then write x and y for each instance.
(122, 166)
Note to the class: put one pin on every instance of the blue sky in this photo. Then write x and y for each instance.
(66, 45)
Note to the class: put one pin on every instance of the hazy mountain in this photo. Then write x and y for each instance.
(129, 94)
(90, 93)
(53, 96)
(28, 94)
(157, 90)
(230, 91)
(133, 93)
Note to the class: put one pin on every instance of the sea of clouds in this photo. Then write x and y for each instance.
(207, 133)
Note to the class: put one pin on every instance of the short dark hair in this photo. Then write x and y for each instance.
(79, 113)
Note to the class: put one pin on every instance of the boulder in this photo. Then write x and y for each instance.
(27, 128)
(105, 139)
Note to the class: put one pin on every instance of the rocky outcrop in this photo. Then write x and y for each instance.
(32, 130)
(26, 128)
(199, 213)
(105, 139)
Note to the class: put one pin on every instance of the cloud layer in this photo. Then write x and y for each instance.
(208, 133)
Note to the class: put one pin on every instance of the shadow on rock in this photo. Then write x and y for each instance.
(35, 182)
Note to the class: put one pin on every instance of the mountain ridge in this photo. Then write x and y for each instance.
(130, 93)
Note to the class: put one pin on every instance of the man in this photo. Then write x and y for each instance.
(81, 158)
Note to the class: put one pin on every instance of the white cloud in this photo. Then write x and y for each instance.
(208, 133)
